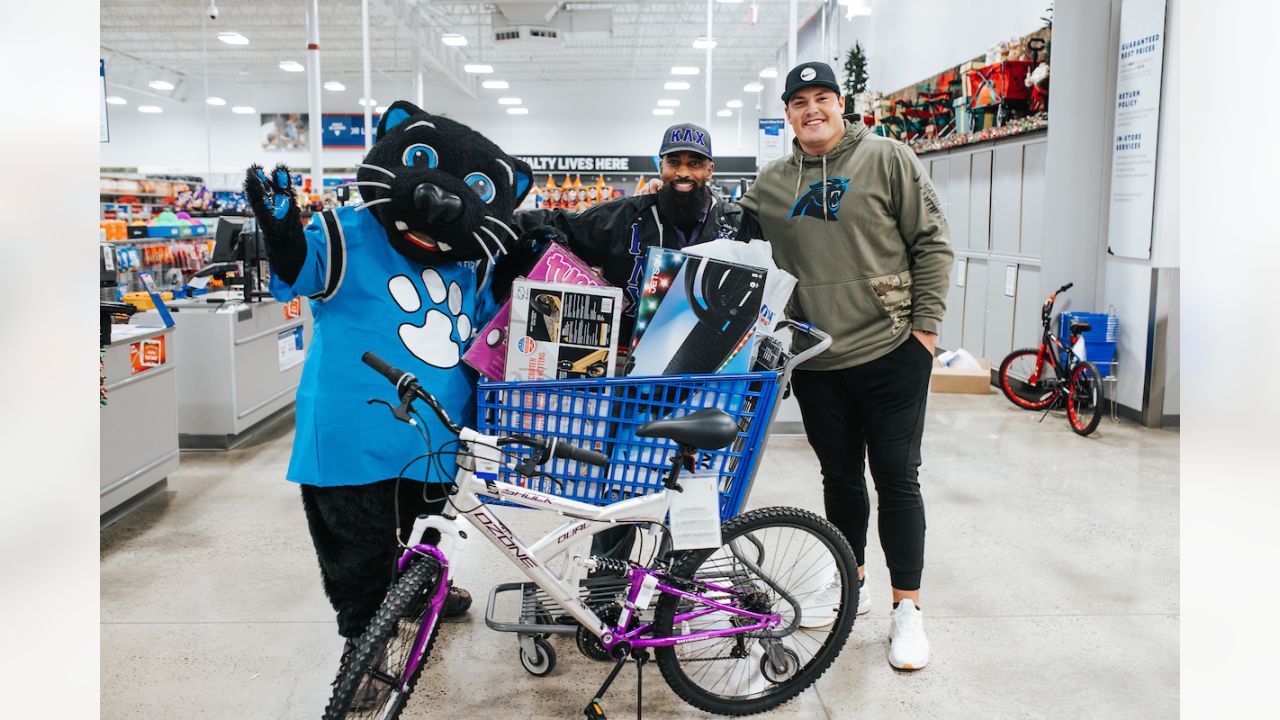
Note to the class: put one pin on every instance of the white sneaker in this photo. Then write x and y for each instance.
(819, 609)
(908, 646)
(864, 597)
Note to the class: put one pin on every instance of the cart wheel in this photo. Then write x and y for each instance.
(543, 660)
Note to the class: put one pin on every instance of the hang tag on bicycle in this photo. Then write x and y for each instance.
(695, 513)
(488, 459)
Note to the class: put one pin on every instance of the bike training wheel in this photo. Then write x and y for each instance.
(1015, 380)
(1084, 398)
(792, 550)
(389, 638)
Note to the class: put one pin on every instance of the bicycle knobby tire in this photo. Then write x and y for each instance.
(776, 692)
(406, 601)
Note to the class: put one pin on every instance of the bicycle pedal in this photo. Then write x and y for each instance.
(594, 711)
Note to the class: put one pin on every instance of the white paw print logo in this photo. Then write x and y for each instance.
(434, 342)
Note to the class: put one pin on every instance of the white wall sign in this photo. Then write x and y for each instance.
(771, 137)
(1010, 280)
(1133, 155)
(962, 266)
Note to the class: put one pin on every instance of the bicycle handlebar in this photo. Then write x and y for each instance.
(1065, 288)
(407, 387)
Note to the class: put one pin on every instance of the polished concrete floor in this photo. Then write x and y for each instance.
(1051, 591)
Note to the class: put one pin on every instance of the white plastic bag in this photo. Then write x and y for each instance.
(961, 359)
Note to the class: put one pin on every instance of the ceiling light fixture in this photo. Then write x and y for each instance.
(508, 101)
(665, 102)
(149, 109)
(685, 70)
(243, 110)
(233, 38)
(160, 85)
(215, 100)
(453, 39)
(495, 84)
(724, 113)
(291, 66)
(734, 104)
(518, 111)
(675, 85)
(704, 43)
(856, 8)
(478, 69)
(365, 102)
(663, 111)
(729, 2)
(116, 100)
(334, 86)
(753, 87)
(769, 72)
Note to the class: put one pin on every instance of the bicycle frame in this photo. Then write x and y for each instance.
(533, 560)
(1052, 345)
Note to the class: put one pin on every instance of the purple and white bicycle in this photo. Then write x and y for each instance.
(735, 629)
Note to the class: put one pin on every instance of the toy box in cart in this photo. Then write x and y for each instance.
(696, 314)
(488, 354)
(560, 331)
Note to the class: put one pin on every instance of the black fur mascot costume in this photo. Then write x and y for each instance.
(407, 276)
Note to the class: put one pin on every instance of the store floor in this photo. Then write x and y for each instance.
(1051, 591)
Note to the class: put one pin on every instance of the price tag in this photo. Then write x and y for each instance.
(962, 265)
(1010, 280)
(695, 513)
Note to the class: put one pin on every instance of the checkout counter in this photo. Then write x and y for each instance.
(140, 420)
(241, 364)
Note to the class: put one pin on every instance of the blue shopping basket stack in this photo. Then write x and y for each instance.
(603, 415)
(1099, 342)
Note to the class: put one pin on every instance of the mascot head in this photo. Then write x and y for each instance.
(443, 191)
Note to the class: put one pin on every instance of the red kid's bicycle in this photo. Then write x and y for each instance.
(1042, 378)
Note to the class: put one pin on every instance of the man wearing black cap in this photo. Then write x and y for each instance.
(614, 236)
(854, 217)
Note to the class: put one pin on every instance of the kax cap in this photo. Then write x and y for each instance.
(686, 136)
(809, 74)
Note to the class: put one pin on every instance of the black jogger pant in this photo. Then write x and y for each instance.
(353, 528)
(876, 411)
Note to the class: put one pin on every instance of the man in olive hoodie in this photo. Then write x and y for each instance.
(854, 217)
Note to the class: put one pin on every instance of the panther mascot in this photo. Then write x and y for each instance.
(408, 274)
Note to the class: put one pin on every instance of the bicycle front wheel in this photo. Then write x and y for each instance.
(1016, 373)
(1084, 398)
(775, 560)
(369, 682)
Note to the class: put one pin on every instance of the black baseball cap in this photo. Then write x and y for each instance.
(686, 136)
(810, 74)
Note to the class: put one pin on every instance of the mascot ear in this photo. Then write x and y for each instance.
(524, 179)
(399, 111)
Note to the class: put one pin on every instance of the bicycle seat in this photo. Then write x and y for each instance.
(1079, 327)
(705, 429)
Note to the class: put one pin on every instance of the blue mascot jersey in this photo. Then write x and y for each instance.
(366, 296)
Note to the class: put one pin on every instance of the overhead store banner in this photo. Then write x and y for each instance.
(1137, 128)
(345, 131)
(630, 164)
(284, 131)
(770, 146)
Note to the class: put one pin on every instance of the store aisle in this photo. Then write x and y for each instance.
(1051, 590)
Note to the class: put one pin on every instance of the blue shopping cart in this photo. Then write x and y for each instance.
(603, 414)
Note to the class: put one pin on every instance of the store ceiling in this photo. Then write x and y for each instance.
(622, 42)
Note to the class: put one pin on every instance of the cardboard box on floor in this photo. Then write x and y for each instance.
(959, 380)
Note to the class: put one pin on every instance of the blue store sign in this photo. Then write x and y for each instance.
(345, 131)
